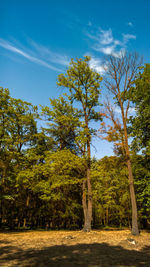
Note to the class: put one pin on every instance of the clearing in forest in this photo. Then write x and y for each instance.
(74, 248)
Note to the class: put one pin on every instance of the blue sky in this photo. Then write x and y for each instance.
(38, 39)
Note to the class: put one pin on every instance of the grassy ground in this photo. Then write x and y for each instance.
(74, 248)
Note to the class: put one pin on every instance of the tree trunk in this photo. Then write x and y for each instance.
(89, 209)
(87, 196)
(107, 216)
(87, 203)
(135, 230)
(84, 205)
(87, 223)
(27, 205)
(24, 223)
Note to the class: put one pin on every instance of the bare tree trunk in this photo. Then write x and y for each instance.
(87, 200)
(121, 74)
(89, 215)
(135, 230)
(84, 204)
(27, 205)
(107, 216)
(24, 222)
(87, 208)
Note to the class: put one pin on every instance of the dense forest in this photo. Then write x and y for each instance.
(48, 178)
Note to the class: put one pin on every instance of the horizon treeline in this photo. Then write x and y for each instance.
(48, 178)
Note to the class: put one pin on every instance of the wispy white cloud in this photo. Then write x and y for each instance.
(105, 42)
(50, 55)
(130, 24)
(106, 37)
(97, 65)
(107, 50)
(41, 55)
(93, 37)
(102, 37)
(119, 53)
(127, 37)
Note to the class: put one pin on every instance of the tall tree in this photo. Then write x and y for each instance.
(121, 73)
(17, 129)
(141, 171)
(83, 84)
(140, 126)
(140, 95)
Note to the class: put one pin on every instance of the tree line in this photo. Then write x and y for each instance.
(48, 178)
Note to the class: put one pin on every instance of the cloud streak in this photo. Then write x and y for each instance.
(105, 42)
(127, 37)
(41, 54)
(49, 55)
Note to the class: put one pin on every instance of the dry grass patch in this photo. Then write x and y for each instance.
(74, 248)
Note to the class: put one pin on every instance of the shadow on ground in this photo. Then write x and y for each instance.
(88, 255)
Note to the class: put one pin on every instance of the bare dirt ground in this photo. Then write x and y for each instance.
(74, 248)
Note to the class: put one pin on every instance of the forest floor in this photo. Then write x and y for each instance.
(74, 248)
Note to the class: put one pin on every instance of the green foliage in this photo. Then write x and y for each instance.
(17, 122)
(61, 168)
(141, 170)
(62, 121)
(17, 130)
(83, 84)
(56, 181)
(110, 192)
(42, 171)
(140, 95)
